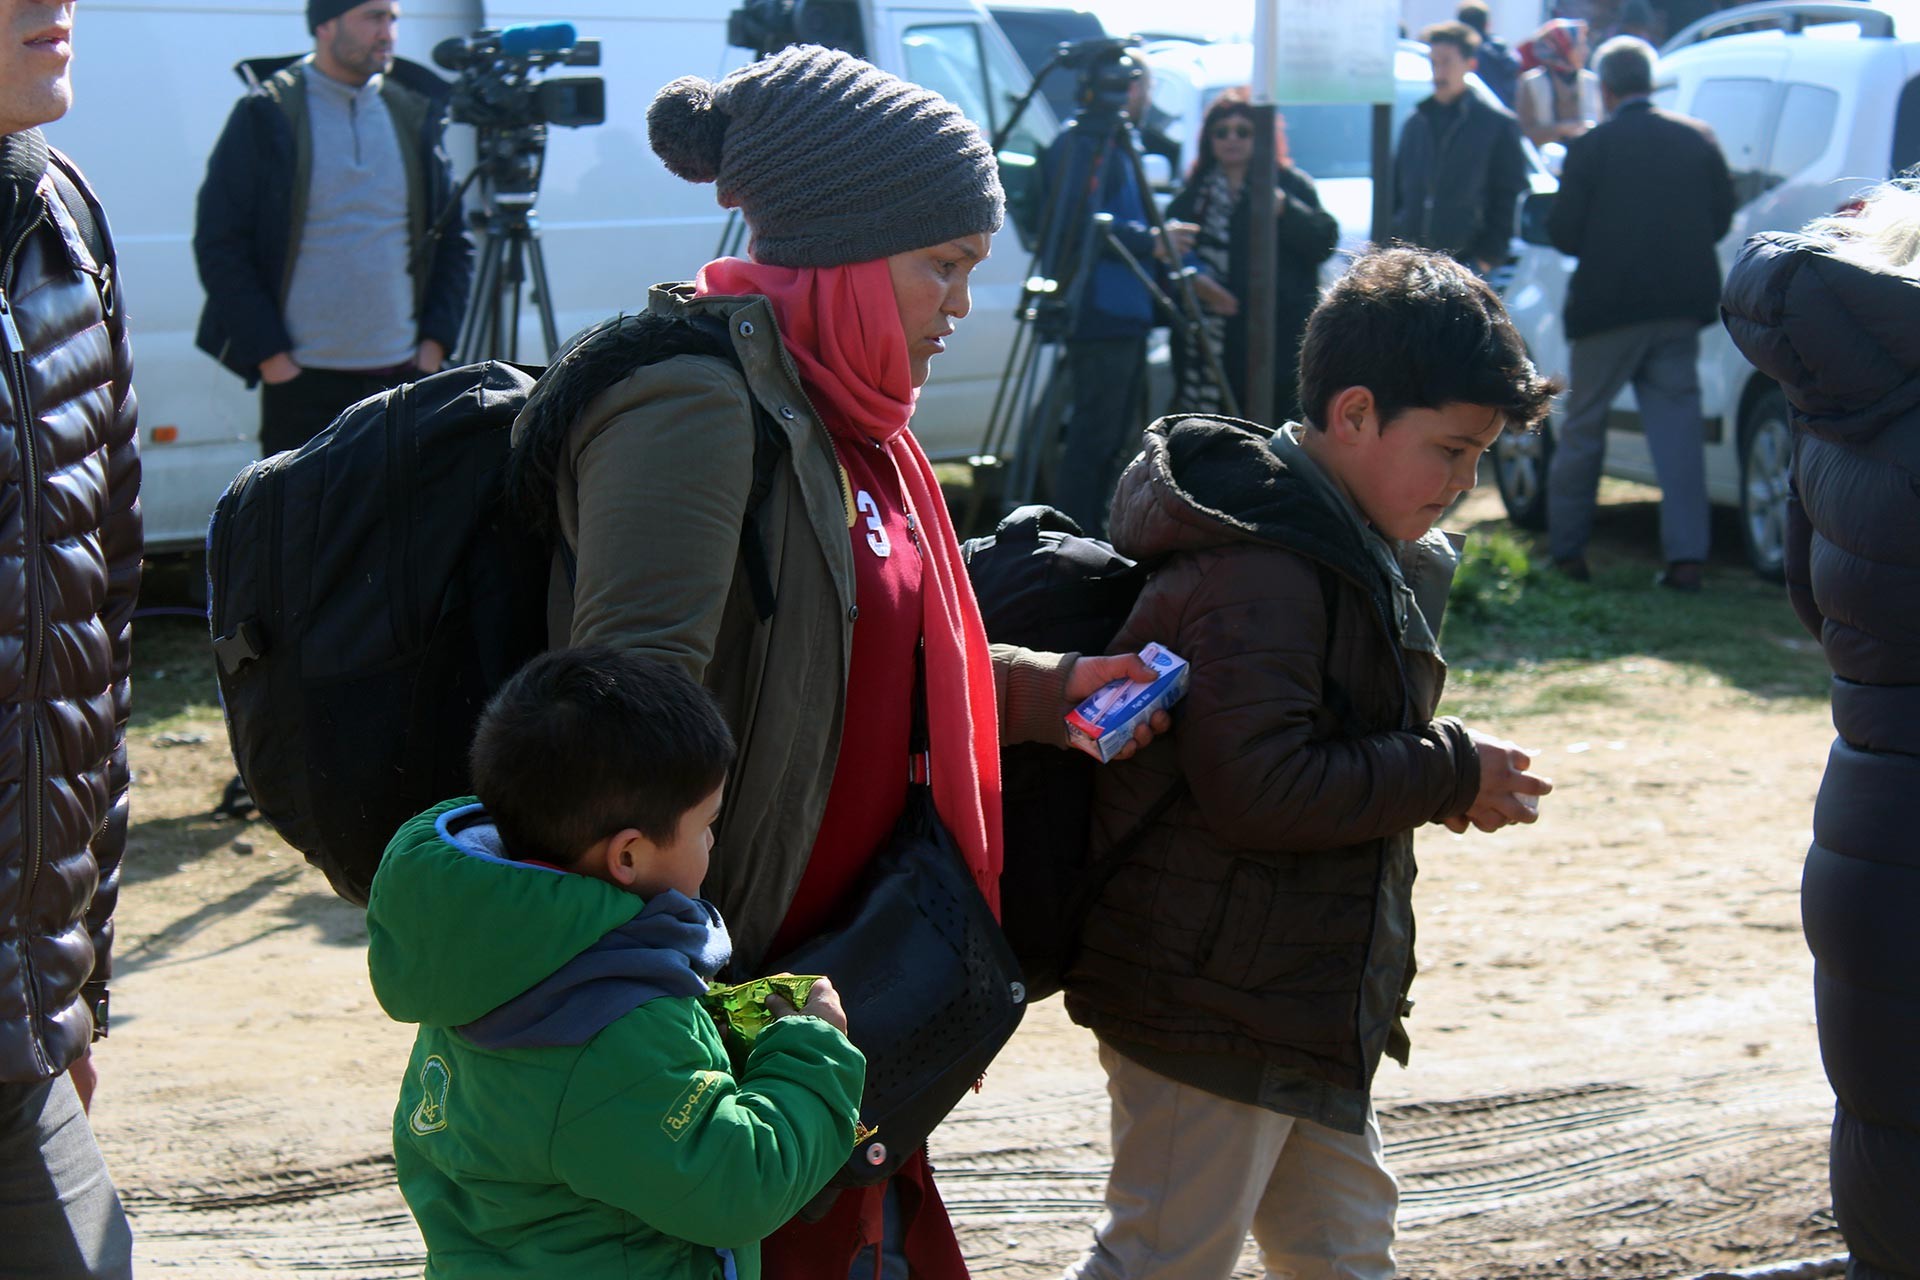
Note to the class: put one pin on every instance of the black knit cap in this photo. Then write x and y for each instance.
(831, 159)
(319, 11)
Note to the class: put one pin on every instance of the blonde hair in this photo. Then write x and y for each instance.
(1884, 234)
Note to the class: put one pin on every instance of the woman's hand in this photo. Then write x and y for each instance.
(1091, 674)
(1179, 241)
(1215, 296)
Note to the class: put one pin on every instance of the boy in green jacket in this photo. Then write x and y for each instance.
(570, 1107)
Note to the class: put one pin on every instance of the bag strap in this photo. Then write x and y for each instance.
(90, 219)
(919, 741)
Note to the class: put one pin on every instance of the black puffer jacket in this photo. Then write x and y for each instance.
(69, 571)
(1844, 343)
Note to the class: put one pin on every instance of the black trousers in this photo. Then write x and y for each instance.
(295, 411)
(1103, 432)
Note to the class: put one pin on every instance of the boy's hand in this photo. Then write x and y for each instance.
(1090, 674)
(823, 1002)
(1507, 791)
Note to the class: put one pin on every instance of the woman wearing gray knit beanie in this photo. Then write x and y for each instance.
(757, 510)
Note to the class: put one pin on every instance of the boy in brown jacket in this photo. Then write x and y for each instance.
(1248, 966)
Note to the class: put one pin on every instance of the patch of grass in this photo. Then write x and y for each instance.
(1512, 615)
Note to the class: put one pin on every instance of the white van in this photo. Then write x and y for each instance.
(154, 82)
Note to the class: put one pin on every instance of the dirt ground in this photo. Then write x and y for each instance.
(1614, 1073)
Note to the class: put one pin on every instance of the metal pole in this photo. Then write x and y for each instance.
(1262, 211)
(1382, 172)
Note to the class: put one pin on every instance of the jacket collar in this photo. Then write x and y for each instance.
(23, 162)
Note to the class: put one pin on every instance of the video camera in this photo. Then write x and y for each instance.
(499, 85)
(766, 26)
(1105, 69)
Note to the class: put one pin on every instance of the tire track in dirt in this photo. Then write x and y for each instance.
(1672, 1178)
(1604, 1181)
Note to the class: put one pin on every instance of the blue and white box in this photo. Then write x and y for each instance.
(1103, 725)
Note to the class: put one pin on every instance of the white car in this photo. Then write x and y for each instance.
(1811, 102)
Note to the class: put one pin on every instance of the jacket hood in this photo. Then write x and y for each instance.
(515, 954)
(1204, 482)
(1840, 338)
(407, 73)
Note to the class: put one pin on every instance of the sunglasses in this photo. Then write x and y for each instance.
(1224, 131)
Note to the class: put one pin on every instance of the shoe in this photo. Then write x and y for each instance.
(1574, 568)
(235, 801)
(1681, 575)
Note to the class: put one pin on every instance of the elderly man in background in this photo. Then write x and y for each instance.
(1644, 199)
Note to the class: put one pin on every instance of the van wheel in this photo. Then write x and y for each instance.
(1766, 467)
(1520, 462)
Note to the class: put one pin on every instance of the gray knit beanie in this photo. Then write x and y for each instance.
(831, 159)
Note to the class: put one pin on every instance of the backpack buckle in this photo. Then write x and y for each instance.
(920, 769)
(240, 646)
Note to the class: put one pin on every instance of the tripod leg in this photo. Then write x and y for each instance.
(516, 277)
(475, 343)
(542, 295)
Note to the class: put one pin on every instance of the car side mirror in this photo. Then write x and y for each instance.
(1535, 209)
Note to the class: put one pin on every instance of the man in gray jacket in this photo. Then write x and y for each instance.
(69, 572)
(316, 228)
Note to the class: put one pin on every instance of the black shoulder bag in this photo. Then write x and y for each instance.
(931, 988)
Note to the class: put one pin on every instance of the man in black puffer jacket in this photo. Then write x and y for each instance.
(1460, 170)
(1834, 317)
(69, 571)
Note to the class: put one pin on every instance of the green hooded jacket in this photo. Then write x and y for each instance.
(637, 1152)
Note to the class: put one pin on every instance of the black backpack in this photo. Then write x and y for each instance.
(370, 590)
(1043, 584)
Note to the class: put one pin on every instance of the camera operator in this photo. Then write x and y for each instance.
(312, 236)
(1106, 343)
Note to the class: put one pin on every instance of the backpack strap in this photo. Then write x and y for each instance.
(769, 444)
(91, 220)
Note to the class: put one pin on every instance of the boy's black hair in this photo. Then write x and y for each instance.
(1420, 331)
(584, 742)
(1458, 34)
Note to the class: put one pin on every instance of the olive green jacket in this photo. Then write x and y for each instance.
(652, 492)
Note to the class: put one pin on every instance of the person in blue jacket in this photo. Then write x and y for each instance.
(1112, 311)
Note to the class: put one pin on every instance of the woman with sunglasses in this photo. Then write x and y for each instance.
(1215, 202)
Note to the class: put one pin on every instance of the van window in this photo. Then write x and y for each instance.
(1807, 113)
(1740, 112)
(951, 59)
(1906, 128)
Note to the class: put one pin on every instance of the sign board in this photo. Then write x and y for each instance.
(1334, 50)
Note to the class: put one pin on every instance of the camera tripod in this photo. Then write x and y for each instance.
(509, 174)
(1026, 426)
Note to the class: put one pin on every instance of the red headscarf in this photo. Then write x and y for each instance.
(1552, 46)
(841, 325)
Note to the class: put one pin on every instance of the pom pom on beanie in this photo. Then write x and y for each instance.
(687, 130)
